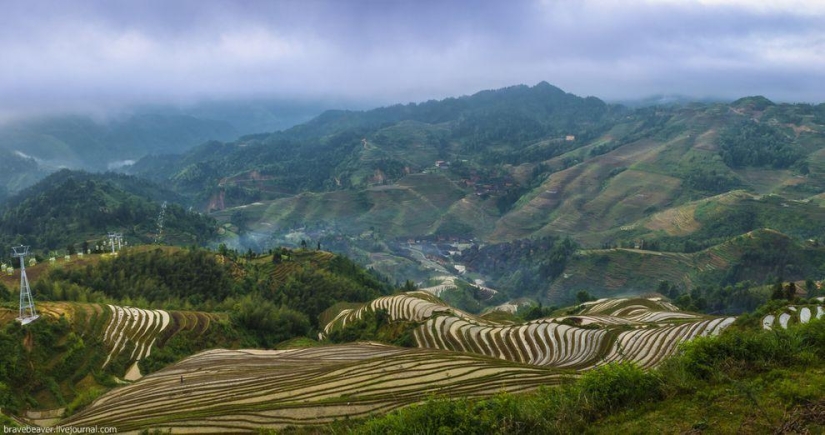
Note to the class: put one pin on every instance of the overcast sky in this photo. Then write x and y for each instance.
(93, 54)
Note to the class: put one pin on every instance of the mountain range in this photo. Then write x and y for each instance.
(524, 163)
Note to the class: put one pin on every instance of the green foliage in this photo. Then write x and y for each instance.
(69, 207)
(190, 339)
(743, 297)
(535, 311)
(747, 351)
(270, 323)
(155, 276)
(498, 415)
(44, 359)
(311, 287)
(612, 387)
(711, 180)
(326, 153)
(83, 399)
(584, 296)
(756, 144)
(5, 293)
(466, 297)
(375, 325)
(565, 409)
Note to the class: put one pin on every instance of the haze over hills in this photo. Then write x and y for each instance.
(519, 163)
(486, 170)
(510, 165)
(108, 140)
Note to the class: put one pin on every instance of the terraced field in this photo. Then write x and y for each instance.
(136, 328)
(123, 330)
(459, 354)
(223, 391)
(415, 306)
(640, 330)
(792, 315)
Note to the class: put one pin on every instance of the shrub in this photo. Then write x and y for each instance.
(733, 355)
(615, 386)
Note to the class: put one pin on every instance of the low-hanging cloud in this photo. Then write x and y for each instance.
(75, 55)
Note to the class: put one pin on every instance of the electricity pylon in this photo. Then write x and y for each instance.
(27, 312)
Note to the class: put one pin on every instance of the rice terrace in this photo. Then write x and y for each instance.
(412, 217)
(456, 353)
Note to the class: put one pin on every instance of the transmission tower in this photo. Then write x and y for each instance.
(27, 312)
(161, 215)
(112, 238)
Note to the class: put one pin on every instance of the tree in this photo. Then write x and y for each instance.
(584, 296)
(409, 286)
(790, 291)
(810, 287)
(777, 292)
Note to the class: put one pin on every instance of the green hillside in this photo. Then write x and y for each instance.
(743, 381)
(541, 161)
(758, 256)
(76, 351)
(17, 172)
(527, 163)
(79, 209)
(107, 320)
(198, 321)
(343, 149)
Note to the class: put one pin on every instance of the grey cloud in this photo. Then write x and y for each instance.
(97, 53)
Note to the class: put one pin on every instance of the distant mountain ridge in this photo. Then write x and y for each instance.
(335, 149)
(519, 163)
(98, 143)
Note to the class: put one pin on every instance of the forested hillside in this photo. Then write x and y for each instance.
(343, 149)
(79, 209)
